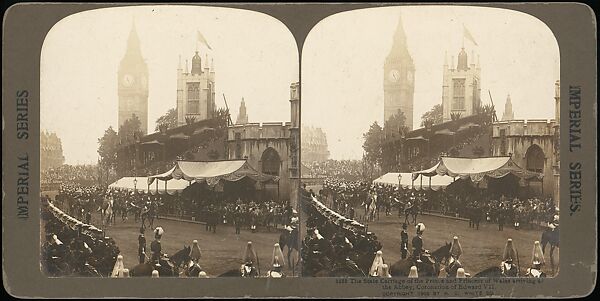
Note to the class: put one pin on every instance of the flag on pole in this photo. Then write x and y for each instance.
(202, 40)
(467, 34)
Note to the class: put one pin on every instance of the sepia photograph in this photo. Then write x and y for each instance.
(430, 144)
(169, 144)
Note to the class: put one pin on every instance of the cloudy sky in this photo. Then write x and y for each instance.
(342, 65)
(255, 57)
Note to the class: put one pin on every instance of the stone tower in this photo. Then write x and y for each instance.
(461, 90)
(508, 111)
(242, 117)
(133, 83)
(398, 79)
(195, 91)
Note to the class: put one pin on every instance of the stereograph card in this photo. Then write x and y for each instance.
(299, 150)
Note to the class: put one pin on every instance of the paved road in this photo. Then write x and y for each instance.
(221, 251)
(481, 248)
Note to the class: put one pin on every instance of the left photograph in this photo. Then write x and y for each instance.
(169, 144)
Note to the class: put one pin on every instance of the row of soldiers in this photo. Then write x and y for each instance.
(249, 267)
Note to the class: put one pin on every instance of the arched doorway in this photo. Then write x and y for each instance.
(535, 161)
(270, 163)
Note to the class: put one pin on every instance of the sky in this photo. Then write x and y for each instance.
(255, 57)
(343, 55)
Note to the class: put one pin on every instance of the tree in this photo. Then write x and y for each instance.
(436, 114)
(455, 116)
(396, 125)
(107, 149)
(130, 131)
(373, 145)
(169, 119)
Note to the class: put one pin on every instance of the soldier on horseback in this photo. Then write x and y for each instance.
(507, 266)
(250, 261)
(537, 262)
(377, 263)
(455, 252)
(277, 263)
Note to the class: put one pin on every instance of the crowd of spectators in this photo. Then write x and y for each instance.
(73, 248)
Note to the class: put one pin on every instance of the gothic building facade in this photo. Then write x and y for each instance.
(195, 91)
(398, 79)
(314, 145)
(133, 83)
(461, 90)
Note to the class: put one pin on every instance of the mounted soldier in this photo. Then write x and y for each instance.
(277, 263)
(250, 262)
(537, 262)
(453, 263)
(377, 263)
(507, 266)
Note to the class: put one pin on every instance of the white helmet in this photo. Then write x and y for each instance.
(420, 227)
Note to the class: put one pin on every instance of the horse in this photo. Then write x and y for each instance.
(429, 267)
(244, 271)
(552, 237)
(167, 267)
(491, 272)
(182, 260)
(290, 239)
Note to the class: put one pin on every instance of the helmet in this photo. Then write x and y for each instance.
(420, 228)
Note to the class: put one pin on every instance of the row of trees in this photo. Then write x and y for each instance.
(395, 126)
(130, 133)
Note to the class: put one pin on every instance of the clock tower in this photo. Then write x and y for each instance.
(133, 83)
(398, 79)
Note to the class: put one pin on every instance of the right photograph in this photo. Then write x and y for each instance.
(430, 144)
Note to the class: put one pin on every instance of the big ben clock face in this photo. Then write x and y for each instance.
(128, 80)
(394, 76)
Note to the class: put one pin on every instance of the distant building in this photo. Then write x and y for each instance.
(508, 111)
(314, 145)
(242, 117)
(534, 145)
(51, 152)
(398, 79)
(461, 90)
(195, 91)
(133, 83)
(268, 147)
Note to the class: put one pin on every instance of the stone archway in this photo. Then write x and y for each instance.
(270, 162)
(535, 159)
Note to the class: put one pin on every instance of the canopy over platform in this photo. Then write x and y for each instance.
(212, 172)
(478, 168)
(128, 183)
(406, 181)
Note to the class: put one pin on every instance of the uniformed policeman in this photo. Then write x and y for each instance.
(404, 241)
(142, 246)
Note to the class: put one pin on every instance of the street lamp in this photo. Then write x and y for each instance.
(135, 185)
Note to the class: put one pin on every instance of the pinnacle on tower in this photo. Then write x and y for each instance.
(242, 117)
(508, 111)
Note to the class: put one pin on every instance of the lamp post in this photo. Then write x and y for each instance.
(135, 185)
